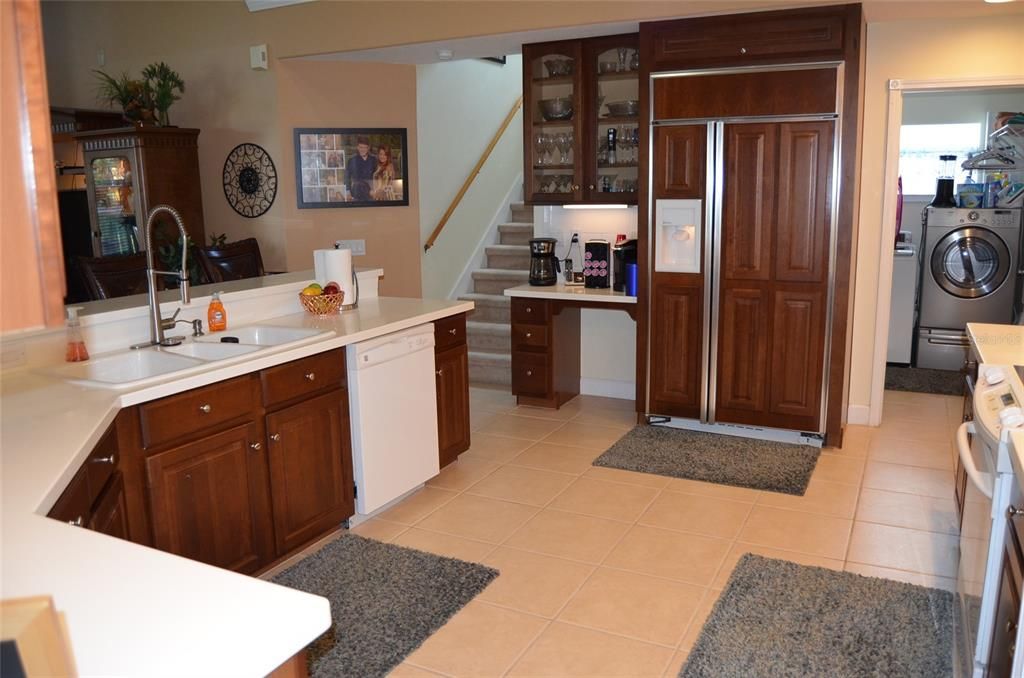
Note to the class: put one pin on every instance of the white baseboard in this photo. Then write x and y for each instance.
(488, 237)
(858, 414)
(609, 388)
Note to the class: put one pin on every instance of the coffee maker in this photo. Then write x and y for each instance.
(544, 266)
(623, 253)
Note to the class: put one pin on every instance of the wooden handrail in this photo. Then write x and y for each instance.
(472, 175)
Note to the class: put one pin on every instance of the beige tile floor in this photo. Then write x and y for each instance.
(606, 572)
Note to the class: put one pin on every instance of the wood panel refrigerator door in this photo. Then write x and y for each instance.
(677, 299)
(773, 286)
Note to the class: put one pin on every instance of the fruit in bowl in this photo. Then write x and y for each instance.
(322, 301)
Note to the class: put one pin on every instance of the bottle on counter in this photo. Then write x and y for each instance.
(216, 316)
(76, 351)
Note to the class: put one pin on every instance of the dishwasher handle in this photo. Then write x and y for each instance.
(963, 448)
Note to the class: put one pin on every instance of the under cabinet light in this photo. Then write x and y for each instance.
(596, 207)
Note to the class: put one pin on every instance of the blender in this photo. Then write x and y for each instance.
(945, 195)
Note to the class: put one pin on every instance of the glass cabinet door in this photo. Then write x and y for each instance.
(613, 66)
(116, 229)
(552, 119)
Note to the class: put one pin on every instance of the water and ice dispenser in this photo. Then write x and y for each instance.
(678, 236)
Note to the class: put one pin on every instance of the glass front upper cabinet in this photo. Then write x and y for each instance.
(552, 121)
(116, 206)
(613, 69)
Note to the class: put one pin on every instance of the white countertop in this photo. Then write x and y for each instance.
(570, 293)
(132, 610)
(997, 344)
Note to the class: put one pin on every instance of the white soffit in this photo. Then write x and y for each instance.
(260, 5)
(475, 47)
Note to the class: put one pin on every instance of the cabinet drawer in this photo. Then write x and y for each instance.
(529, 311)
(303, 377)
(449, 332)
(529, 336)
(530, 374)
(197, 410)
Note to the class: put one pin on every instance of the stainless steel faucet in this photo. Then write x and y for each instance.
(157, 323)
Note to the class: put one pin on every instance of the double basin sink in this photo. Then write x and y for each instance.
(127, 369)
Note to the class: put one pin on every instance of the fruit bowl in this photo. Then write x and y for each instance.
(322, 304)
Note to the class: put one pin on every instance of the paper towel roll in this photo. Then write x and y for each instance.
(336, 266)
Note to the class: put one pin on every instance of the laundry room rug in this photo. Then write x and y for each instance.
(385, 601)
(777, 618)
(714, 458)
(923, 380)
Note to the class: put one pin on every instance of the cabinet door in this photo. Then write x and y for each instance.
(209, 500)
(676, 348)
(1007, 614)
(680, 161)
(611, 101)
(310, 469)
(452, 368)
(111, 513)
(552, 122)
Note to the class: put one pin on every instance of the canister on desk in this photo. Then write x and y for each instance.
(632, 276)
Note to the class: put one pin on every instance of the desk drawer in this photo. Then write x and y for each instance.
(197, 410)
(530, 311)
(303, 377)
(449, 332)
(529, 336)
(530, 374)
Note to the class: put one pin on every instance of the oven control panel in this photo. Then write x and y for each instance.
(995, 403)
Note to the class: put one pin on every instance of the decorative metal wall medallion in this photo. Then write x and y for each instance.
(250, 180)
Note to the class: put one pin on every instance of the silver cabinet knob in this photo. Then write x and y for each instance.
(112, 459)
(529, 309)
(439, 373)
(591, 187)
(77, 522)
(275, 437)
(743, 50)
(310, 376)
(529, 373)
(453, 331)
(575, 187)
(205, 409)
(256, 446)
(529, 334)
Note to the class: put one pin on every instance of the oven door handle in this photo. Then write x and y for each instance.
(963, 446)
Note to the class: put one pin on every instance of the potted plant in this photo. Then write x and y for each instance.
(145, 101)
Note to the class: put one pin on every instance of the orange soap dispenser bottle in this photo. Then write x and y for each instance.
(216, 316)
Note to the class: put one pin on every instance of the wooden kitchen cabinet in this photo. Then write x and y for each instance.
(110, 515)
(210, 499)
(96, 492)
(567, 160)
(451, 366)
(545, 352)
(310, 453)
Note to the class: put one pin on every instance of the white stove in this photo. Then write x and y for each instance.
(992, 487)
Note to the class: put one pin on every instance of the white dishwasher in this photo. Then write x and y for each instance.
(393, 411)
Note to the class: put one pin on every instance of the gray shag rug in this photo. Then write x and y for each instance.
(777, 618)
(713, 458)
(924, 380)
(385, 601)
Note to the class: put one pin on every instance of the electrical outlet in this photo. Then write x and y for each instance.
(358, 247)
(101, 57)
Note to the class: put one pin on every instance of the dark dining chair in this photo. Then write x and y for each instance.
(109, 277)
(232, 261)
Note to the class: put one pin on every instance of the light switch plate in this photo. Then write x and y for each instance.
(358, 247)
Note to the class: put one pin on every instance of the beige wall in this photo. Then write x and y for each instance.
(912, 50)
(339, 94)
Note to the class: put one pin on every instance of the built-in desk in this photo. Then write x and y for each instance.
(546, 339)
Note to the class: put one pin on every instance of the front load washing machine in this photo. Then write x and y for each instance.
(969, 273)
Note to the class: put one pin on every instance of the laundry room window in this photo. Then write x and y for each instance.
(921, 146)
